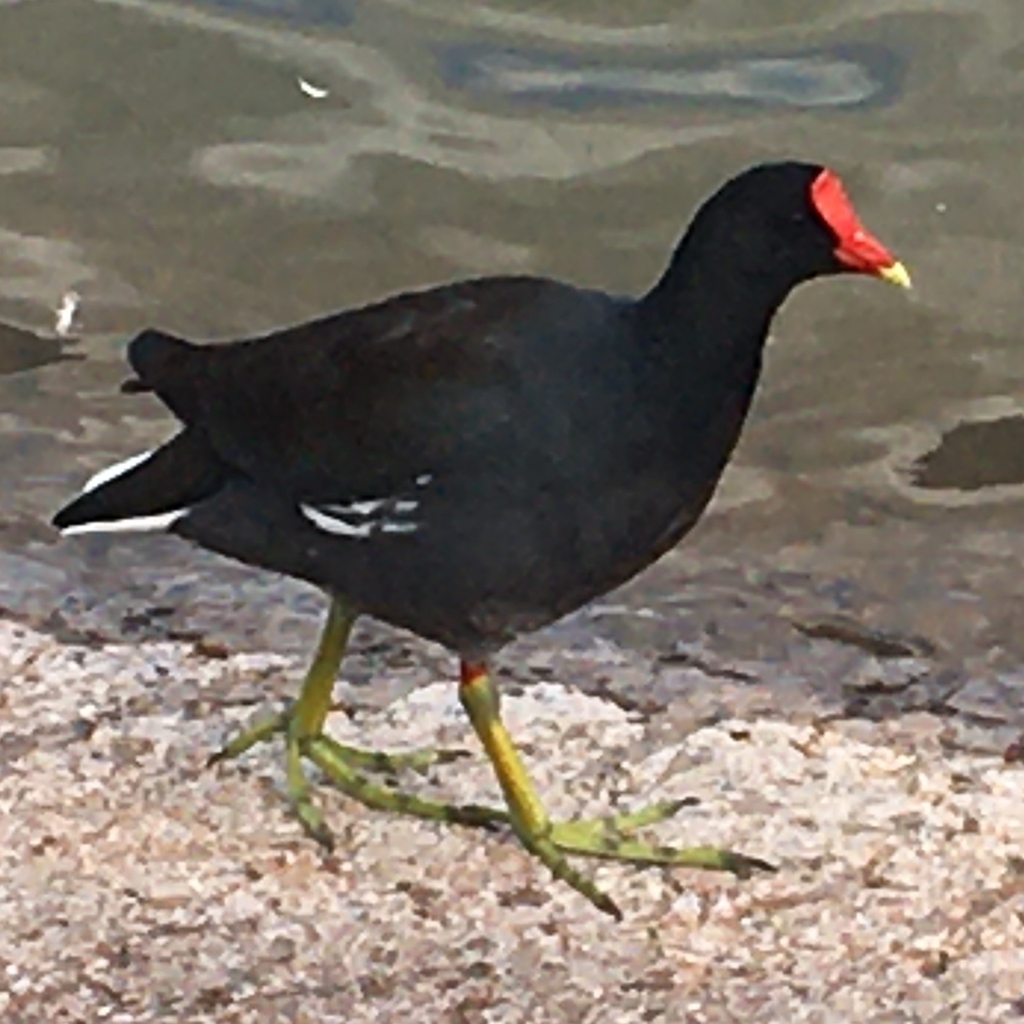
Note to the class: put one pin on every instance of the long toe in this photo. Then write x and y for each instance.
(343, 766)
(611, 838)
(550, 852)
(386, 763)
(333, 759)
(262, 729)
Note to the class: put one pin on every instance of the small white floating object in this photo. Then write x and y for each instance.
(66, 313)
(315, 92)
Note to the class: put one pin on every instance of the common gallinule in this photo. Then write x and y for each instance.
(476, 460)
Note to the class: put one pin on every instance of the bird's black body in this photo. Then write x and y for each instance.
(528, 444)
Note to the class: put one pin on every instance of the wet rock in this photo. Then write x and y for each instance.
(998, 699)
(888, 675)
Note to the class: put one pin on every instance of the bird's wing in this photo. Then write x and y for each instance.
(364, 402)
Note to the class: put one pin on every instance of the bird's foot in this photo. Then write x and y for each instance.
(380, 761)
(612, 838)
(344, 766)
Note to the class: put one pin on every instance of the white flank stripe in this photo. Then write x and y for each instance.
(112, 472)
(140, 524)
(338, 526)
(373, 515)
(390, 526)
(359, 508)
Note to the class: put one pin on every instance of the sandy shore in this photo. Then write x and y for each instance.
(139, 886)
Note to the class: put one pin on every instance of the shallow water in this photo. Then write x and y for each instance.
(220, 168)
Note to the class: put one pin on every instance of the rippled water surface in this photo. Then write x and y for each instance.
(223, 167)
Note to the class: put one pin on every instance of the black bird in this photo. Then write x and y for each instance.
(476, 460)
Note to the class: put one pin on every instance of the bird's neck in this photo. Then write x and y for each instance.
(704, 326)
(710, 309)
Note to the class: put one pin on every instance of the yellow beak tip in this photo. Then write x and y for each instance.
(897, 274)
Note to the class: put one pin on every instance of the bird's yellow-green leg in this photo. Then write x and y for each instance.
(303, 722)
(302, 725)
(601, 837)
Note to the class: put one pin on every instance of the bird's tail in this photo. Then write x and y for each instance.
(172, 367)
(148, 491)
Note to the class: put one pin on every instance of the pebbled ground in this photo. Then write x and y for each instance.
(136, 885)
